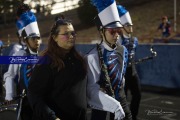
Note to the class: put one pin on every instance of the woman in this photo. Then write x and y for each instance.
(57, 89)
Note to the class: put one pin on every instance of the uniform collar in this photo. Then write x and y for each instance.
(32, 53)
(107, 46)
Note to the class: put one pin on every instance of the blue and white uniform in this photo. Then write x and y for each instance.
(115, 60)
(13, 71)
(130, 44)
(15, 48)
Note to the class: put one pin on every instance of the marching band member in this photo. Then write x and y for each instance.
(132, 81)
(31, 36)
(106, 63)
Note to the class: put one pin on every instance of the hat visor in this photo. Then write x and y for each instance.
(128, 24)
(34, 36)
(113, 25)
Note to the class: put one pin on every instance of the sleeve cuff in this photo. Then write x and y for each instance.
(9, 97)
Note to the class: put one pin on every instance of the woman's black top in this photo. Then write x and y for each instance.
(61, 94)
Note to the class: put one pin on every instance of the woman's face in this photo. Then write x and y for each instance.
(66, 36)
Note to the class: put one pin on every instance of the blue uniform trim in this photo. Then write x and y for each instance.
(111, 59)
(101, 4)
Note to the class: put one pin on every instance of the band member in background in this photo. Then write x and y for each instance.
(57, 89)
(132, 81)
(17, 46)
(106, 63)
(31, 36)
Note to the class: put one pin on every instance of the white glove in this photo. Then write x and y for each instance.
(119, 113)
(8, 97)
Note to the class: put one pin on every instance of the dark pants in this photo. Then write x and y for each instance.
(132, 83)
(101, 115)
(26, 111)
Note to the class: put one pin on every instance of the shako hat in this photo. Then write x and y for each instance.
(107, 14)
(27, 22)
(124, 16)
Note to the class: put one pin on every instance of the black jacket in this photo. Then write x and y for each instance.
(58, 94)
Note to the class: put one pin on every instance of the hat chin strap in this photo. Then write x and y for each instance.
(129, 33)
(32, 51)
(127, 36)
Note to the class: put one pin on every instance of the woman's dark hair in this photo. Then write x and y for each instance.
(59, 21)
(57, 53)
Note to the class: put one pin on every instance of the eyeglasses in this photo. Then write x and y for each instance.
(113, 31)
(73, 33)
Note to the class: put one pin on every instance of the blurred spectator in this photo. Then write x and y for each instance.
(1, 44)
(38, 8)
(165, 28)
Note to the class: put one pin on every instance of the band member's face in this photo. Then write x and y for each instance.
(33, 43)
(112, 34)
(66, 37)
(127, 31)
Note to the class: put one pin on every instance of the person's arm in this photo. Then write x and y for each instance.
(159, 30)
(135, 42)
(39, 89)
(9, 76)
(97, 99)
(15, 48)
(9, 84)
